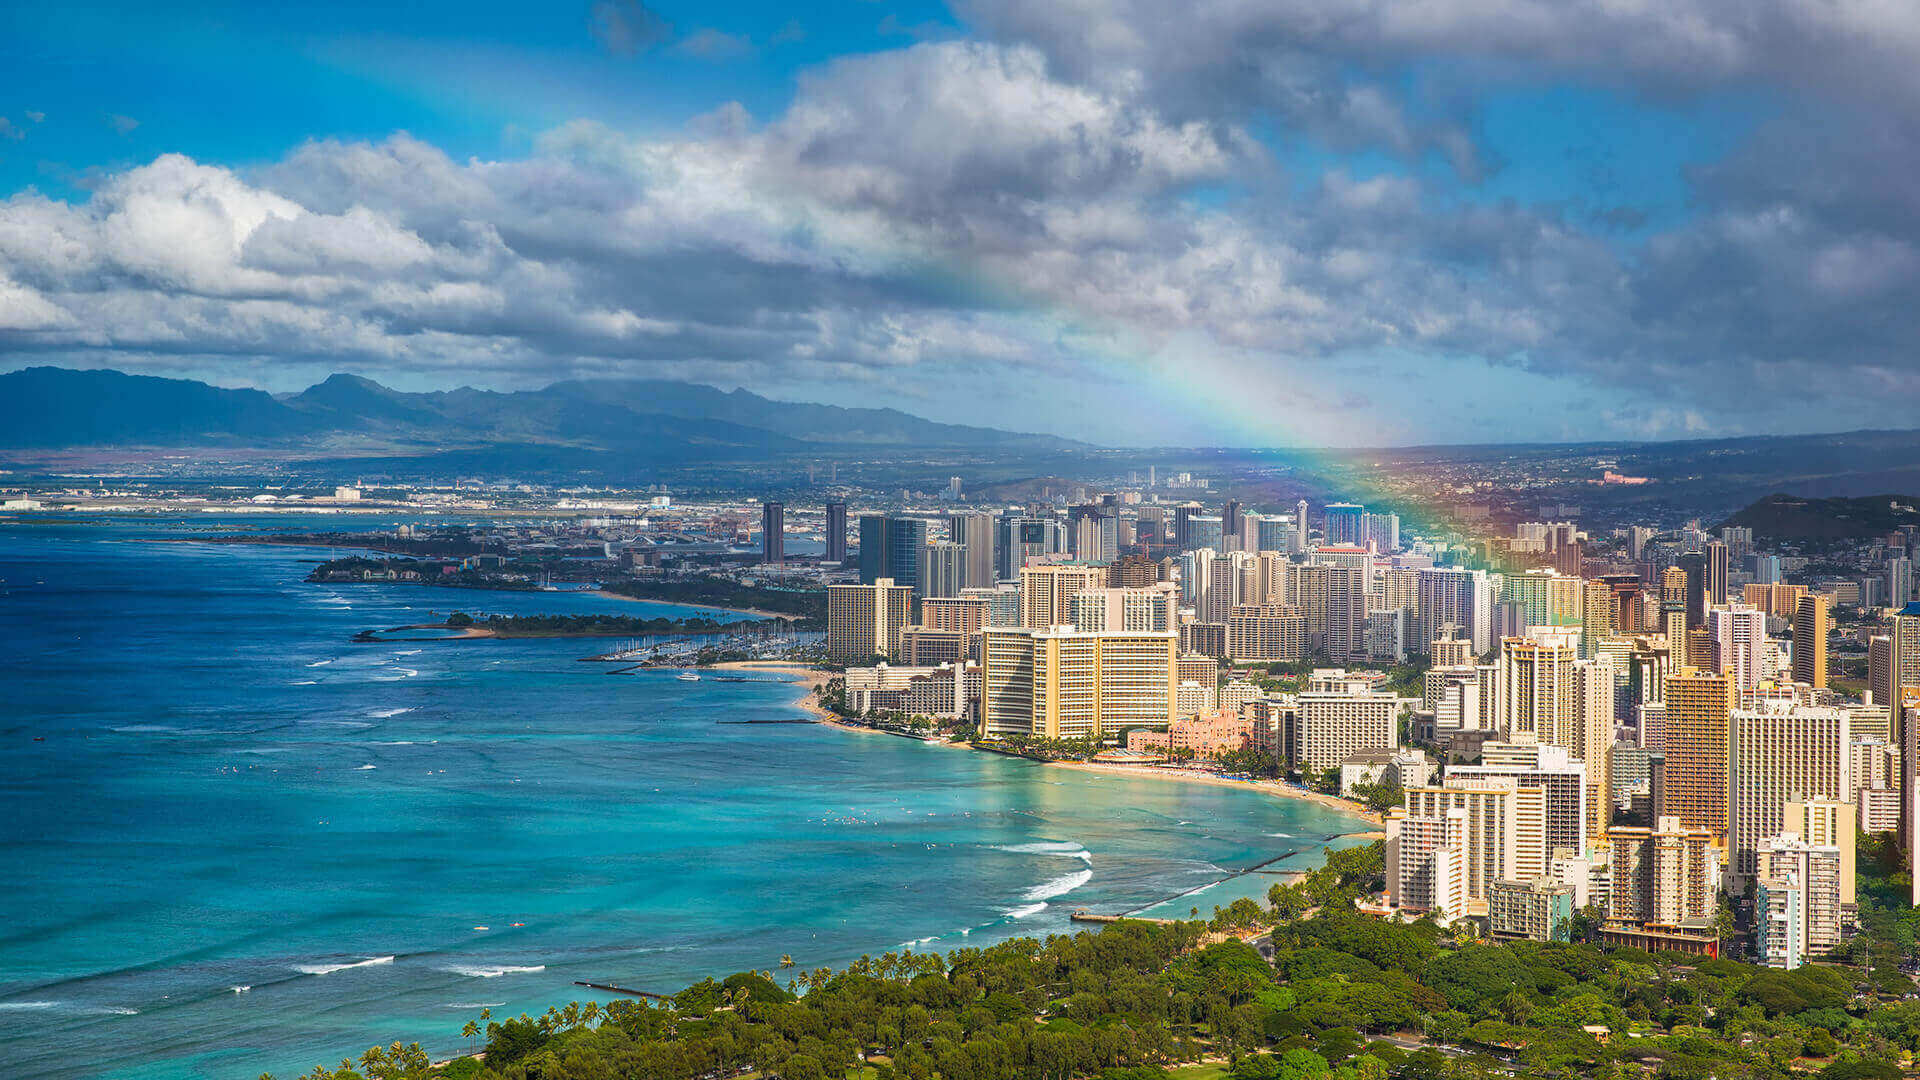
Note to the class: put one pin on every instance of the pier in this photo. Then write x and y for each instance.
(611, 989)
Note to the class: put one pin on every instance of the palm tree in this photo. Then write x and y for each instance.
(592, 1012)
(786, 960)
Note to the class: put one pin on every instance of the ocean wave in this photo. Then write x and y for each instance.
(328, 969)
(365, 768)
(406, 652)
(1064, 848)
(66, 1006)
(473, 1004)
(303, 682)
(320, 663)
(1023, 912)
(382, 714)
(401, 742)
(491, 972)
(241, 989)
(1059, 886)
(336, 723)
(404, 673)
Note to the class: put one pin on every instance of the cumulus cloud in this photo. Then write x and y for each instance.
(1080, 182)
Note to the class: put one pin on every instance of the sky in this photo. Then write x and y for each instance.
(1290, 223)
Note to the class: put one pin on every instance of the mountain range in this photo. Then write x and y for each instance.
(49, 408)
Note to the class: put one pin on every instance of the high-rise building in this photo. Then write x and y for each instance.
(837, 533)
(942, 568)
(1018, 538)
(1694, 783)
(1095, 534)
(1694, 564)
(1334, 601)
(1536, 687)
(1665, 876)
(1740, 636)
(1336, 724)
(1546, 598)
(1798, 906)
(1230, 524)
(1716, 564)
(1183, 516)
(1346, 524)
(1275, 632)
(1899, 581)
(864, 621)
(1274, 534)
(773, 533)
(1148, 608)
(1456, 597)
(1047, 591)
(1381, 532)
(1779, 751)
(966, 614)
(891, 546)
(1062, 683)
(1827, 823)
(974, 533)
(1810, 625)
(1506, 829)
(1299, 527)
(1002, 600)
(1552, 769)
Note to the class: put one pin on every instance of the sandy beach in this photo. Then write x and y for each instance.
(812, 679)
(703, 607)
(1275, 788)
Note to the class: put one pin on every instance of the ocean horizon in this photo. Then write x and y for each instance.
(243, 843)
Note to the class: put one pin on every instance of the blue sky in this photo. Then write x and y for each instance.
(1321, 223)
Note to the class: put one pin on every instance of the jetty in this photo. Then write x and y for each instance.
(611, 989)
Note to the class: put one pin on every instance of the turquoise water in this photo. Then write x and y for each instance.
(246, 844)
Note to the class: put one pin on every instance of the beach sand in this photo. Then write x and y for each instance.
(701, 607)
(1275, 788)
(812, 679)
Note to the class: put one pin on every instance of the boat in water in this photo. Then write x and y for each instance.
(688, 676)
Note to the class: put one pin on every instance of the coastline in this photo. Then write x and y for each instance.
(756, 612)
(812, 679)
(1273, 788)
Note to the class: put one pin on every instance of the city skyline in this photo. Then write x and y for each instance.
(1509, 223)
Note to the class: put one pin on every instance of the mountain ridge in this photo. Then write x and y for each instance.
(54, 408)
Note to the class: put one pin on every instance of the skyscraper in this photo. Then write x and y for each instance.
(773, 533)
(1716, 563)
(837, 533)
(1739, 634)
(974, 532)
(1018, 537)
(1694, 784)
(1300, 527)
(1346, 524)
(1694, 563)
(864, 621)
(1779, 751)
(1810, 641)
(942, 568)
(891, 546)
(1230, 519)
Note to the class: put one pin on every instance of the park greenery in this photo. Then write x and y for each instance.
(519, 626)
(810, 606)
(1342, 997)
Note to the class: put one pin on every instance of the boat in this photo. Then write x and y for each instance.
(688, 676)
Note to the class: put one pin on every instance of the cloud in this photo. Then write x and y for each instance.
(10, 130)
(1090, 187)
(122, 124)
(626, 27)
(36, 117)
(711, 44)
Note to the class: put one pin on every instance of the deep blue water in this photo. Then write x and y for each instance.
(246, 844)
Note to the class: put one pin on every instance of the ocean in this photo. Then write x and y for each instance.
(236, 842)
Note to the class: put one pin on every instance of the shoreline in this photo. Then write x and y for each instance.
(813, 678)
(1272, 788)
(756, 612)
